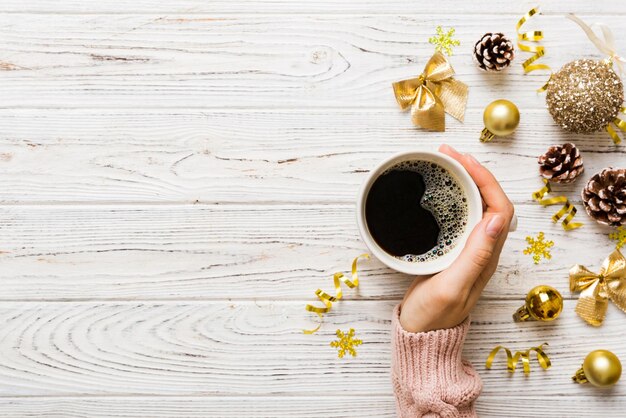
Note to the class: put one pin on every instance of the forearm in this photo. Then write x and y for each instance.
(429, 377)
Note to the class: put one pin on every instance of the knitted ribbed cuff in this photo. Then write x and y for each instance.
(434, 356)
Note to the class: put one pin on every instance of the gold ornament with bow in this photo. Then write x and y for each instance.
(597, 289)
(606, 45)
(433, 94)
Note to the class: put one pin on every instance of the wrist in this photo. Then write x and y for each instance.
(411, 320)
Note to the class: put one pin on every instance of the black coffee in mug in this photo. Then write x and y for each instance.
(416, 211)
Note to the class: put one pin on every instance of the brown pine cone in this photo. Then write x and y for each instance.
(605, 196)
(561, 163)
(494, 52)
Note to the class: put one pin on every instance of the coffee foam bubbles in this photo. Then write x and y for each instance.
(446, 200)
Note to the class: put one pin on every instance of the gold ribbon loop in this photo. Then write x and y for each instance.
(328, 299)
(433, 94)
(510, 364)
(539, 51)
(597, 289)
(513, 359)
(567, 212)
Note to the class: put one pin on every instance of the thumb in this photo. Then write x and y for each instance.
(479, 250)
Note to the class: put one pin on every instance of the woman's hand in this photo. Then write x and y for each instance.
(445, 299)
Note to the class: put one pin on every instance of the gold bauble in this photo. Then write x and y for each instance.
(543, 303)
(585, 95)
(601, 368)
(501, 118)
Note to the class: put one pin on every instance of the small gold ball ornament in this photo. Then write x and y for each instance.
(585, 95)
(601, 368)
(501, 118)
(543, 303)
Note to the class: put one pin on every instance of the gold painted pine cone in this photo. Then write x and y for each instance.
(604, 196)
(561, 163)
(494, 52)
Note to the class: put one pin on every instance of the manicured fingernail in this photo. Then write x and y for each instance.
(495, 225)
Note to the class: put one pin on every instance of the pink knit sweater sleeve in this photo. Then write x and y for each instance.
(429, 377)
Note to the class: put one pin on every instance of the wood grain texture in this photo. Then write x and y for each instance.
(257, 348)
(243, 61)
(236, 251)
(290, 156)
(177, 178)
(341, 406)
(202, 407)
(443, 7)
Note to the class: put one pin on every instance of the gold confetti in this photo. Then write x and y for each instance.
(620, 236)
(346, 343)
(443, 41)
(538, 247)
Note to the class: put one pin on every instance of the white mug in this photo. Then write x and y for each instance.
(474, 213)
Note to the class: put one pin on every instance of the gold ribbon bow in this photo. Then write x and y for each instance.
(596, 289)
(513, 359)
(432, 94)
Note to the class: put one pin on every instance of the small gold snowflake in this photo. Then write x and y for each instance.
(443, 41)
(538, 247)
(346, 343)
(620, 236)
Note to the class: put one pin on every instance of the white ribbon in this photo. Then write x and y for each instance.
(606, 46)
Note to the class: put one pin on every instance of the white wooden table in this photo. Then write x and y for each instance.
(177, 178)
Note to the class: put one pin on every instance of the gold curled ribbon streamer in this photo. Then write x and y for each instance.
(539, 51)
(328, 299)
(513, 359)
(567, 212)
(597, 289)
(433, 94)
(621, 124)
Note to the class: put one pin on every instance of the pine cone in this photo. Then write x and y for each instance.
(605, 196)
(494, 52)
(561, 163)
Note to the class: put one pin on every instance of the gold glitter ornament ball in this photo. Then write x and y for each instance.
(584, 96)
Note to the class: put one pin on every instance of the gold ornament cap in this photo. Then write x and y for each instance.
(601, 368)
(501, 117)
(543, 303)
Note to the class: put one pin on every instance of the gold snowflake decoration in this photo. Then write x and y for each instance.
(620, 236)
(538, 247)
(346, 343)
(443, 41)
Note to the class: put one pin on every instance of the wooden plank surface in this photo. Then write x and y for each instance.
(440, 8)
(235, 251)
(257, 348)
(261, 156)
(177, 178)
(305, 407)
(252, 60)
